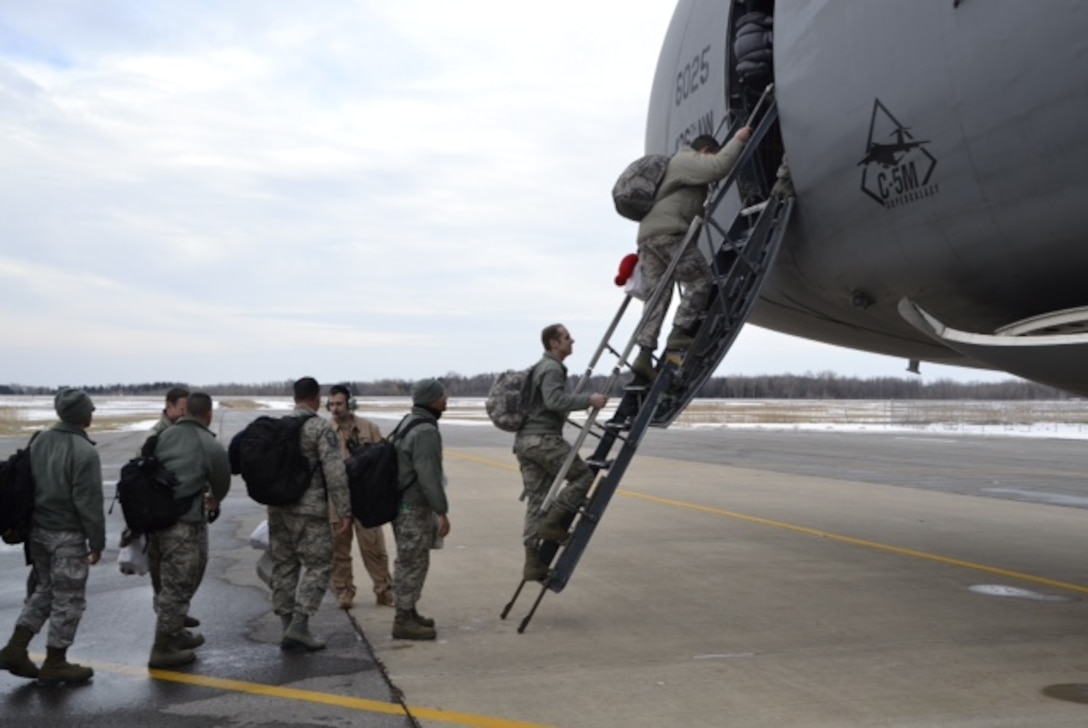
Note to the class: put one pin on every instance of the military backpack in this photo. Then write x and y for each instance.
(17, 496)
(636, 189)
(374, 478)
(147, 491)
(268, 455)
(508, 399)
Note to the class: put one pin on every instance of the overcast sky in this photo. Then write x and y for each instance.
(258, 190)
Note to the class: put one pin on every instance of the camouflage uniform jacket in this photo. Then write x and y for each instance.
(190, 451)
(329, 483)
(68, 483)
(549, 404)
(419, 463)
(683, 190)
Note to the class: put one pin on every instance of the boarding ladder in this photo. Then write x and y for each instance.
(740, 256)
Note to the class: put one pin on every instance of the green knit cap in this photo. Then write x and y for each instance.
(73, 406)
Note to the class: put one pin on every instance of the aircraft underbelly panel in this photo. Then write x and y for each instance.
(1057, 360)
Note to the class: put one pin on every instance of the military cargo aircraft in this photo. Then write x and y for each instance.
(964, 241)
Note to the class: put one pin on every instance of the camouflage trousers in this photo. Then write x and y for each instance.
(541, 457)
(692, 272)
(60, 566)
(177, 557)
(371, 548)
(297, 542)
(413, 529)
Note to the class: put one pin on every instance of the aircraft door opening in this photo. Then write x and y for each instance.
(749, 70)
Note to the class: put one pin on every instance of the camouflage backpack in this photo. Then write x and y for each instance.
(508, 399)
(636, 190)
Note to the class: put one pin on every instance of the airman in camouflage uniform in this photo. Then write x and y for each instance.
(541, 449)
(178, 554)
(299, 535)
(68, 535)
(419, 469)
(174, 409)
(680, 199)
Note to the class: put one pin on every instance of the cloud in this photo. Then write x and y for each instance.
(246, 191)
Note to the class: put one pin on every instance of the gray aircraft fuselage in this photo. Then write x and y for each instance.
(939, 151)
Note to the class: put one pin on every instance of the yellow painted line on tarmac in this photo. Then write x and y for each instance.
(481, 461)
(311, 696)
(862, 542)
(947, 561)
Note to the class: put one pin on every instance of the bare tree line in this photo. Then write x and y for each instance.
(825, 385)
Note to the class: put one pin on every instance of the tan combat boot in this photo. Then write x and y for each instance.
(345, 598)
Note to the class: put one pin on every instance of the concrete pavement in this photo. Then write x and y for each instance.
(714, 595)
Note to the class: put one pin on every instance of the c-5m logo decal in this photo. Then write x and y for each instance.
(897, 169)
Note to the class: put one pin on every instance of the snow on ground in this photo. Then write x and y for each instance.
(1065, 419)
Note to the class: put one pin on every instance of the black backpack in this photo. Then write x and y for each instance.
(372, 479)
(268, 456)
(16, 496)
(146, 490)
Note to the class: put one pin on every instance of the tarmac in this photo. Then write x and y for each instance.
(737, 579)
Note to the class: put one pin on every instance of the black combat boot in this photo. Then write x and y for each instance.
(298, 634)
(553, 527)
(14, 658)
(169, 651)
(535, 570)
(405, 627)
(57, 669)
(420, 619)
(643, 365)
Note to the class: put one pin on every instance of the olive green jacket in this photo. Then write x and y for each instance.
(68, 483)
(190, 451)
(682, 193)
(419, 463)
(549, 404)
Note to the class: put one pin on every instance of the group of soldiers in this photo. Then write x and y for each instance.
(68, 533)
(309, 540)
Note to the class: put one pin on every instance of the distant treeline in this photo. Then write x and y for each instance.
(780, 386)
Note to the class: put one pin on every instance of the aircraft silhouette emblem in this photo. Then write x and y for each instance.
(889, 155)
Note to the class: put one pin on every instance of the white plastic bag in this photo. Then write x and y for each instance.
(132, 558)
(259, 538)
(264, 568)
(635, 287)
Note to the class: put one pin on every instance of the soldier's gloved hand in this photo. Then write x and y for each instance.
(212, 515)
